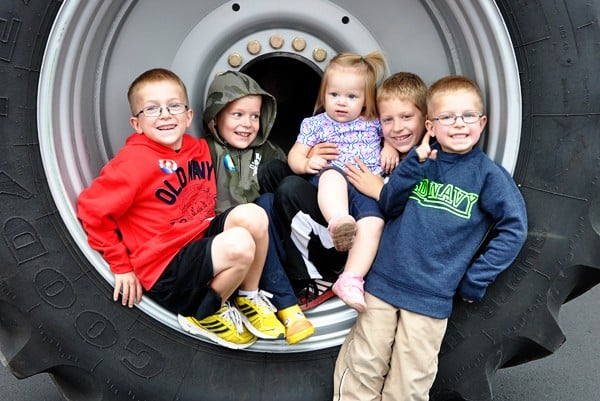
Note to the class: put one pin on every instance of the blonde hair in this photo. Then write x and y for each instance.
(372, 69)
(404, 86)
(453, 83)
(151, 76)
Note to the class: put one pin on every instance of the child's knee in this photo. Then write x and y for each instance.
(333, 174)
(237, 245)
(252, 217)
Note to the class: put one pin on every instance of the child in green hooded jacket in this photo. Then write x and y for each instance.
(238, 117)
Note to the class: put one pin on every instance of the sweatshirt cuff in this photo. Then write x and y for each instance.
(121, 268)
(471, 292)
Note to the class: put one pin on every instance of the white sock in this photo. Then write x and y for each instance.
(248, 294)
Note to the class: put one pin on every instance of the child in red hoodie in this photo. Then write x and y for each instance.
(151, 214)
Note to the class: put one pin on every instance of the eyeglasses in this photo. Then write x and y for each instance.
(155, 111)
(450, 119)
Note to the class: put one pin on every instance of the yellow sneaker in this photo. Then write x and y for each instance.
(225, 327)
(297, 326)
(258, 315)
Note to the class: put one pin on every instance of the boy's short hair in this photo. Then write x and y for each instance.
(153, 75)
(404, 86)
(453, 83)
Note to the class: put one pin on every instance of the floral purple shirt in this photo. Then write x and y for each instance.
(357, 138)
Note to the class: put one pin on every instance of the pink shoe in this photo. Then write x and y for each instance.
(350, 288)
(342, 229)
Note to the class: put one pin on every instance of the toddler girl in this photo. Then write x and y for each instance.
(347, 116)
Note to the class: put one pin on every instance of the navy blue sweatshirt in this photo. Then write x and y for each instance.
(439, 211)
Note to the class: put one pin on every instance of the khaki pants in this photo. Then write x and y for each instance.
(390, 354)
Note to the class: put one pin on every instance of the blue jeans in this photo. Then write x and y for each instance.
(274, 279)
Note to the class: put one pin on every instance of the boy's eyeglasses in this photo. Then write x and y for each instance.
(450, 119)
(155, 111)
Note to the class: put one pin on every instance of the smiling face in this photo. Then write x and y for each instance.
(165, 129)
(238, 123)
(344, 95)
(402, 123)
(459, 137)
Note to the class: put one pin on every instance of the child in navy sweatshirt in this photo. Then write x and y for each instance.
(440, 202)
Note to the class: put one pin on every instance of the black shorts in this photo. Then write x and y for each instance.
(185, 281)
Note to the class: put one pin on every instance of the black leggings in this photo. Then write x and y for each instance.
(270, 175)
(296, 199)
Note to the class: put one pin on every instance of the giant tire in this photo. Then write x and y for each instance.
(56, 315)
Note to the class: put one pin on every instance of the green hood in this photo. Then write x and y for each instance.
(230, 86)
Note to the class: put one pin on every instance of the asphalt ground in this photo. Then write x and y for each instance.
(570, 374)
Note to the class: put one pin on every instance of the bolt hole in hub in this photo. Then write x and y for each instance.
(96, 48)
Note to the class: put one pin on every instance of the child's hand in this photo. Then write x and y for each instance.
(363, 179)
(129, 285)
(424, 150)
(314, 164)
(327, 150)
(389, 157)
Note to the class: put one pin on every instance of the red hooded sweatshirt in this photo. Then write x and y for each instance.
(147, 203)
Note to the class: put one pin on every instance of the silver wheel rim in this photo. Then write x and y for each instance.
(96, 48)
